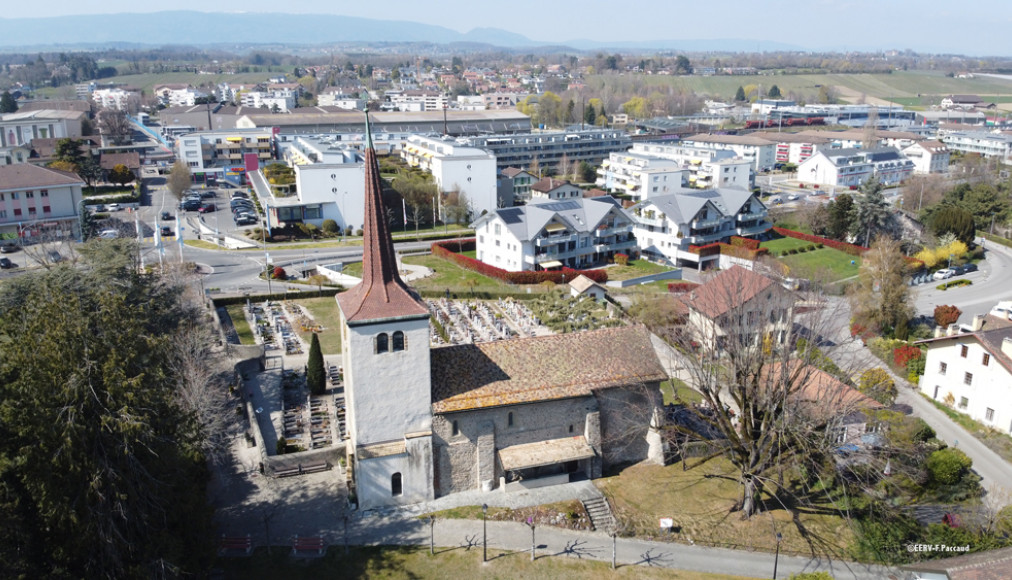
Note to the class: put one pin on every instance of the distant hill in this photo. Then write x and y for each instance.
(247, 28)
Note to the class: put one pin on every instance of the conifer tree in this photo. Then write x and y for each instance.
(316, 378)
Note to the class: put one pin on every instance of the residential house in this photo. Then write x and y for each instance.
(739, 307)
(760, 152)
(983, 143)
(669, 227)
(514, 186)
(554, 189)
(706, 167)
(455, 167)
(39, 202)
(928, 156)
(852, 167)
(640, 176)
(986, 565)
(131, 160)
(544, 234)
(971, 372)
(965, 102)
(584, 286)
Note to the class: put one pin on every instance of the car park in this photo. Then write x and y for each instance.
(207, 208)
(943, 274)
(6, 263)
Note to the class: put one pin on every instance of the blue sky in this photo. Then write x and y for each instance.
(976, 28)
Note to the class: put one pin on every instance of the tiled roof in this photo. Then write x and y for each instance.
(381, 294)
(822, 389)
(991, 338)
(527, 370)
(582, 283)
(729, 289)
(131, 159)
(987, 565)
(512, 171)
(548, 184)
(23, 175)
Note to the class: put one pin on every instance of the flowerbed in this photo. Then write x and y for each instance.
(441, 249)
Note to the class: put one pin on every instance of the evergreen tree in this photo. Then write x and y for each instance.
(841, 214)
(316, 376)
(774, 92)
(7, 103)
(740, 95)
(954, 220)
(589, 115)
(86, 221)
(872, 213)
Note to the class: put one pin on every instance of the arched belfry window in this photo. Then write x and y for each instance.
(395, 484)
(382, 343)
(399, 343)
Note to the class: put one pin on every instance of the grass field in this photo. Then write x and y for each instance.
(783, 244)
(899, 84)
(324, 312)
(635, 269)
(699, 500)
(447, 275)
(676, 391)
(995, 440)
(385, 562)
(242, 328)
(824, 264)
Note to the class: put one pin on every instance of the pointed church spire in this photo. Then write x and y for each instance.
(382, 293)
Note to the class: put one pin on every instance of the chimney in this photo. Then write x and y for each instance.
(939, 331)
(952, 330)
(1006, 347)
(978, 322)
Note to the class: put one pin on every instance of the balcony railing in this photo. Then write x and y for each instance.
(744, 217)
(555, 239)
(707, 223)
(753, 230)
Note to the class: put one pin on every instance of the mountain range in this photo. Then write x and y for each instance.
(248, 28)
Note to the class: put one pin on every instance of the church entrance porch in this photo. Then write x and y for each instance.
(545, 463)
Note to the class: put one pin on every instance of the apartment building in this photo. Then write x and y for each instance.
(225, 153)
(667, 227)
(640, 176)
(547, 234)
(760, 152)
(118, 99)
(852, 167)
(705, 167)
(549, 148)
(456, 167)
(38, 203)
(928, 156)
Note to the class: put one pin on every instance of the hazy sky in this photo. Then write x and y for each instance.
(979, 27)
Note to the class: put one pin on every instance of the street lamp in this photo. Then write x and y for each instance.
(530, 523)
(776, 559)
(484, 533)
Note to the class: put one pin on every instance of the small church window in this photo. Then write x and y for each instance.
(395, 484)
(456, 428)
(509, 420)
(382, 343)
(398, 341)
(570, 428)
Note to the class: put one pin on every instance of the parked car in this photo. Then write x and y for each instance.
(112, 207)
(239, 195)
(8, 248)
(246, 220)
(792, 197)
(166, 216)
(54, 256)
(208, 194)
(969, 268)
(166, 231)
(207, 208)
(6, 263)
(190, 205)
(944, 274)
(108, 234)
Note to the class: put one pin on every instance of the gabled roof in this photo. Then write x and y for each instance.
(130, 159)
(988, 565)
(582, 283)
(382, 294)
(683, 205)
(991, 340)
(729, 289)
(549, 184)
(577, 214)
(514, 171)
(544, 368)
(757, 141)
(24, 175)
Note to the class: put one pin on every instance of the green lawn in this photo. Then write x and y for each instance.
(823, 264)
(676, 391)
(325, 313)
(242, 328)
(699, 500)
(635, 269)
(376, 562)
(783, 244)
(448, 275)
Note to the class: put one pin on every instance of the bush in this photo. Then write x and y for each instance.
(279, 273)
(679, 287)
(329, 226)
(902, 355)
(358, 232)
(622, 259)
(877, 384)
(954, 284)
(948, 466)
(282, 446)
(946, 315)
(811, 247)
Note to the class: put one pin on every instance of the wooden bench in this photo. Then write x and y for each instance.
(315, 467)
(229, 545)
(308, 546)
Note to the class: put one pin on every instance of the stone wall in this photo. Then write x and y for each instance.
(466, 460)
(626, 417)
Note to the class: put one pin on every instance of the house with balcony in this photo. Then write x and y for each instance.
(455, 167)
(38, 203)
(641, 176)
(758, 151)
(705, 168)
(546, 234)
(514, 186)
(224, 153)
(852, 167)
(928, 156)
(549, 189)
(670, 227)
(971, 372)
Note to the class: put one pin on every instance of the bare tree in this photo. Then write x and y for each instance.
(179, 179)
(115, 125)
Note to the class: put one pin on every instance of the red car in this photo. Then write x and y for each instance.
(207, 208)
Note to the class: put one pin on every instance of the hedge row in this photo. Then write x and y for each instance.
(996, 239)
(229, 300)
(442, 250)
(679, 287)
(954, 283)
(741, 242)
(718, 248)
(844, 247)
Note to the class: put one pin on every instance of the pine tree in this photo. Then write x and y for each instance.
(316, 378)
(740, 95)
(7, 103)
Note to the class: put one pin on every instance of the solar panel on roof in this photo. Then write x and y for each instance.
(511, 215)
(559, 205)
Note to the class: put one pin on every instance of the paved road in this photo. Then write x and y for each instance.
(992, 283)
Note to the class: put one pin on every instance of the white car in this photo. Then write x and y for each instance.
(792, 197)
(943, 274)
(109, 234)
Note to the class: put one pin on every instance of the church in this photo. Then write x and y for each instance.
(427, 421)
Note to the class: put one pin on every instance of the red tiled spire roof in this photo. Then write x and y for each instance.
(381, 294)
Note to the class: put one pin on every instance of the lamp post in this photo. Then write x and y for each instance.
(530, 524)
(432, 535)
(776, 559)
(484, 533)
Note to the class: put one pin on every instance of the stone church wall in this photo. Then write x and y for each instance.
(459, 458)
(626, 414)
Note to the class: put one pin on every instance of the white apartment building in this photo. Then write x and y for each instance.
(38, 202)
(542, 235)
(795, 147)
(986, 144)
(928, 156)
(177, 95)
(456, 167)
(418, 100)
(224, 151)
(640, 176)
(760, 152)
(707, 167)
(852, 167)
(21, 127)
(336, 98)
(114, 99)
(972, 373)
(668, 226)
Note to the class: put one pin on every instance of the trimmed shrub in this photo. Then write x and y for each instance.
(279, 273)
(622, 259)
(330, 226)
(316, 377)
(954, 284)
(679, 287)
(948, 466)
(811, 247)
(946, 315)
